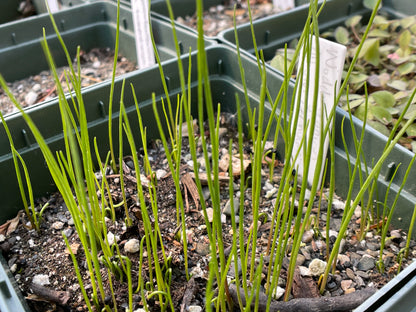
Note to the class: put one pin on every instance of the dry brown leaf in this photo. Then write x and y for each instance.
(10, 225)
(74, 248)
(190, 185)
(304, 286)
(204, 178)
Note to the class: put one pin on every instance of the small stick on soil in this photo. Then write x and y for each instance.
(188, 295)
(322, 304)
(52, 90)
(59, 297)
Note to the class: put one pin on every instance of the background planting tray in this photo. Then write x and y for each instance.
(273, 32)
(89, 26)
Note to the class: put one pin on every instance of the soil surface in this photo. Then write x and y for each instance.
(44, 271)
(220, 17)
(96, 66)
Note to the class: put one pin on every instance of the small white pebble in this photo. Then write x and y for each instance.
(58, 225)
(31, 243)
(41, 279)
(317, 267)
(132, 246)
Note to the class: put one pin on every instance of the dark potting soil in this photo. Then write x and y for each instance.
(96, 66)
(39, 260)
(220, 17)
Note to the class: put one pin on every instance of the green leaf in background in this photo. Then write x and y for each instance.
(408, 21)
(381, 21)
(370, 4)
(381, 114)
(404, 41)
(413, 29)
(278, 62)
(411, 130)
(370, 51)
(387, 49)
(410, 111)
(354, 103)
(342, 35)
(379, 127)
(398, 85)
(358, 78)
(378, 33)
(413, 146)
(384, 98)
(353, 21)
(393, 110)
(406, 68)
(360, 113)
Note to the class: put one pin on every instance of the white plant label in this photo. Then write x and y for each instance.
(144, 47)
(53, 5)
(284, 5)
(331, 64)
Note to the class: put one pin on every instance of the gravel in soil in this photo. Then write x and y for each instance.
(41, 258)
(96, 66)
(220, 17)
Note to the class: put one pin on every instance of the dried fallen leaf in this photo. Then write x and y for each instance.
(74, 249)
(10, 225)
(304, 286)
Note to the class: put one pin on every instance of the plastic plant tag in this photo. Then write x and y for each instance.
(284, 4)
(144, 47)
(53, 5)
(331, 64)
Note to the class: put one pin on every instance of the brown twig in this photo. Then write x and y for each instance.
(51, 90)
(322, 304)
(59, 297)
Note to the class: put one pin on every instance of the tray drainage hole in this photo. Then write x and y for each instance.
(391, 168)
(26, 137)
(102, 109)
(167, 79)
(266, 36)
(104, 14)
(125, 24)
(220, 67)
(180, 47)
(14, 40)
(62, 24)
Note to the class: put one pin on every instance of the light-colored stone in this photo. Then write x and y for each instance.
(343, 258)
(272, 193)
(345, 284)
(227, 208)
(36, 87)
(307, 236)
(160, 173)
(395, 234)
(317, 267)
(278, 292)
(41, 279)
(132, 246)
(300, 259)
(58, 225)
(357, 212)
(111, 238)
(338, 204)
(304, 271)
(210, 214)
(349, 291)
(31, 98)
(366, 263)
(194, 308)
